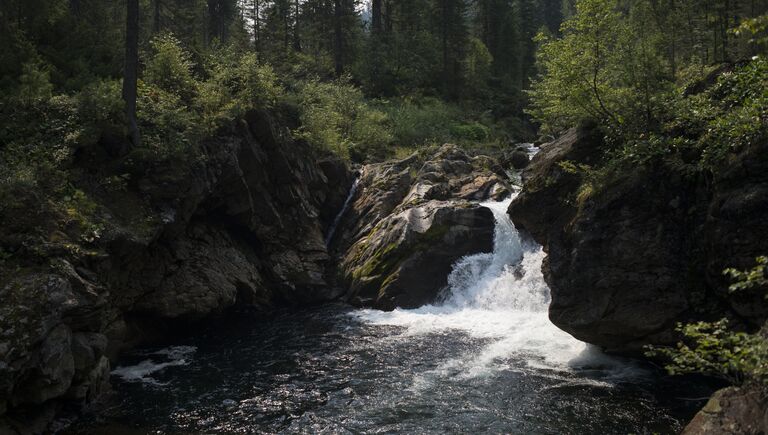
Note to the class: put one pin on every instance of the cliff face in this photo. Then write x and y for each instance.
(647, 250)
(410, 221)
(243, 224)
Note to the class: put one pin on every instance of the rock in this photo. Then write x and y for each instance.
(410, 222)
(51, 372)
(516, 158)
(520, 159)
(37, 317)
(742, 411)
(182, 241)
(628, 262)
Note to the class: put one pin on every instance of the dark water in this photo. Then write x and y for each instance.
(485, 360)
(324, 371)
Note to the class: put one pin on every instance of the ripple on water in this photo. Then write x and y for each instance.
(486, 359)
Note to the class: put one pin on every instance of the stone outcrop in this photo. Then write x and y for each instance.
(242, 225)
(410, 221)
(632, 257)
(731, 411)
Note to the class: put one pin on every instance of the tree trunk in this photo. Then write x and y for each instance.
(296, 39)
(156, 17)
(338, 39)
(74, 8)
(376, 22)
(444, 37)
(257, 27)
(130, 75)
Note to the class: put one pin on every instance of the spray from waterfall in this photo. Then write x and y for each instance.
(500, 297)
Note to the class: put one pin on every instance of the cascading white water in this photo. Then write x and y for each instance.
(484, 359)
(344, 208)
(500, 297)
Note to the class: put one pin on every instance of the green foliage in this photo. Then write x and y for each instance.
(477, 66)
(336, 117)
(244, 81)
(169, 128)
(100, 108)
(473, 131)
(606, 67)
(712, 348)
(417, 121)
(755, 28)
(34, 83)
(749, 279)
(725, 118)
(170, 68)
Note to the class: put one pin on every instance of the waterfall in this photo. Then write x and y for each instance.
(509, 278)
(344, 208)
(501, 298)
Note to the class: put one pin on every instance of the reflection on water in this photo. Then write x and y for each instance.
(485, 359)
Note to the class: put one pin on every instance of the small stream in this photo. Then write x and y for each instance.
(483, 359)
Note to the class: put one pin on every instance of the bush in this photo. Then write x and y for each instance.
(237, 83)
(713, 349)
(336, 117)
(472, 131)
(167, 126)
(249, 83)
(417, 121)
(170, 68)
(34, 83)
(100, 108)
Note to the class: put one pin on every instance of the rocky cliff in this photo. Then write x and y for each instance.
(629, 259)
(243, 223)
(410, 221)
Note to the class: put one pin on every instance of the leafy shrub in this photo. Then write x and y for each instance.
(477, 66)
(749, 279)
(168, 127)
(712, 348)
(34, 83)
(336, 117)
(100, 108)
(237, 82)
(170, 68)
(715, 350)
(416, 121)
(249, 83)
(619, 81)
(471, 131)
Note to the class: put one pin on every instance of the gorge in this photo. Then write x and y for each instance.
(467, 341)
(383, 216)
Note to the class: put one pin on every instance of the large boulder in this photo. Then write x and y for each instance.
(43, 319)
(410, 222)
(732, 411)
(632, 258)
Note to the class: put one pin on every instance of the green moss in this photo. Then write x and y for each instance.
(385, 261)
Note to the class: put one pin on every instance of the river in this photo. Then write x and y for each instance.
(485, 358)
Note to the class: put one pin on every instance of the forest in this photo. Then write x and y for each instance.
(367, 79)
(124, 126)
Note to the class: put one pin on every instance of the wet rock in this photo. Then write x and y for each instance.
(520, 159)
(742, 411)
(516, 158)
(410, 222)
(51, 370)
(626, 263)
(243, 226)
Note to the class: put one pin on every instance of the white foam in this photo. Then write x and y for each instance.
(175, 355)
(500, 296)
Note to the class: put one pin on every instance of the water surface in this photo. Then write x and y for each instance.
(483, 359)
